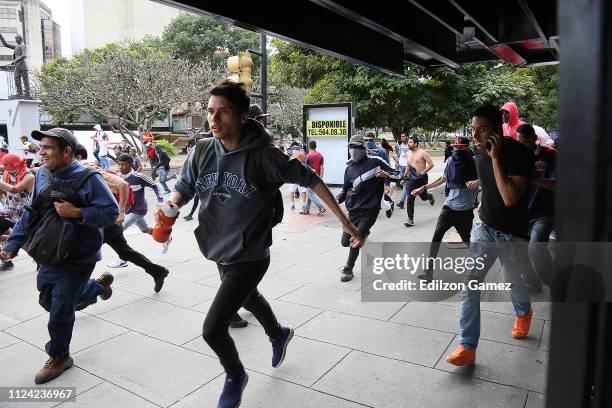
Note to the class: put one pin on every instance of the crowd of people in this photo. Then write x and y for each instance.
(54, 177)
(233, 177)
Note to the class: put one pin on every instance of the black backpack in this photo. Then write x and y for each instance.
(271, 192)
(50, 236)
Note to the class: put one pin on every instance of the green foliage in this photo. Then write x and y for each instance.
(432, 100)
(198, 38)
(133, 82)
(166, 146)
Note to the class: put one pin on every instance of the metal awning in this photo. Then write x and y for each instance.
(386, 34)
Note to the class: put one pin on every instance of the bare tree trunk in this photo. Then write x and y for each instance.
(397, 130)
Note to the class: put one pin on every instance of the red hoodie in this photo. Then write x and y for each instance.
(514, 122)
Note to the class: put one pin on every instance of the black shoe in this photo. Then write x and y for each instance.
(400, 205)
(346, 274)
(159, 277)
(7, 266)
(238, 322)
(409, 222)
(427, 276)
(188, 217)
(389, 212)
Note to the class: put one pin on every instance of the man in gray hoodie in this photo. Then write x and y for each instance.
(236, 219)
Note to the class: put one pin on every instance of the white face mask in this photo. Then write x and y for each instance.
(357, 154)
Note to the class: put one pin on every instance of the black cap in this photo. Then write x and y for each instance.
(58, 133)
(461, 141)
(256, 112)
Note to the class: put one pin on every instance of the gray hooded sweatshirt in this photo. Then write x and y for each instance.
(234, 217)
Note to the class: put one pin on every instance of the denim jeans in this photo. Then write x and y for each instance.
(104, 162)
(404, 194)
(61, 288)
(137, 219)
(312, 198)
(541, 266)
(495, 244)
(165, 175)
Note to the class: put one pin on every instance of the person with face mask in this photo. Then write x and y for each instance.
(362, 191)
(458, 209)
(17, 184)
(510, 116)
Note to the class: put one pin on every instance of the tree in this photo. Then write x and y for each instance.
(380, 100)
(200, 39)
(131, 82)
(286, 109)
(432, 100)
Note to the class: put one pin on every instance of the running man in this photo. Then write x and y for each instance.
(235, 221)
(415, 176)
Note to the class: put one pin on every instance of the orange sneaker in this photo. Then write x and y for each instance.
(462, 356)
(521, 325)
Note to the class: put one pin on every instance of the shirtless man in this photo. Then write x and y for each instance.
(415, 176)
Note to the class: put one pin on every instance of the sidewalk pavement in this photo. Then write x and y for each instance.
(144, 349)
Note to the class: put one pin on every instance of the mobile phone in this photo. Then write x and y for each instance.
(488, 146)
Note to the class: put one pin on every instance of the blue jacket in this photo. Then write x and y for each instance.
(101, 211)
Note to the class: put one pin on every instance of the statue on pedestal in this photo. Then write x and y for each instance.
(19, 62)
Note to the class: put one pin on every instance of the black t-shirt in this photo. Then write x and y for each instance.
(164, 159)
(542, 200)
(517, 160)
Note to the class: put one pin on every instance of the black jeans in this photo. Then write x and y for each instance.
(238, 289)
(413, 184)
(363, 220)
(113, 236)
(448, 218)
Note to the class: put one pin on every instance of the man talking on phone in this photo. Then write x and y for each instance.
(504, 168)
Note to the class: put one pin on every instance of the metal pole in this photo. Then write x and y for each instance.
(264, 77)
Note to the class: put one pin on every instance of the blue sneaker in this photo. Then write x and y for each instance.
(231, 396)
(279, 347)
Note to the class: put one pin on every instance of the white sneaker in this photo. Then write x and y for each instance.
(118, 263)
(166, 244)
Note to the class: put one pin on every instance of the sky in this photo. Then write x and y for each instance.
(61, 15)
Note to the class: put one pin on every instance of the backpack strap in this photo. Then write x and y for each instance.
(256, 170)
(201, 148)
(82, 178)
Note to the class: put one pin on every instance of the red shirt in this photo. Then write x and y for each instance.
(314, 159)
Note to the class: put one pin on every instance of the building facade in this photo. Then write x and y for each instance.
(33, 20)
(96, 23)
